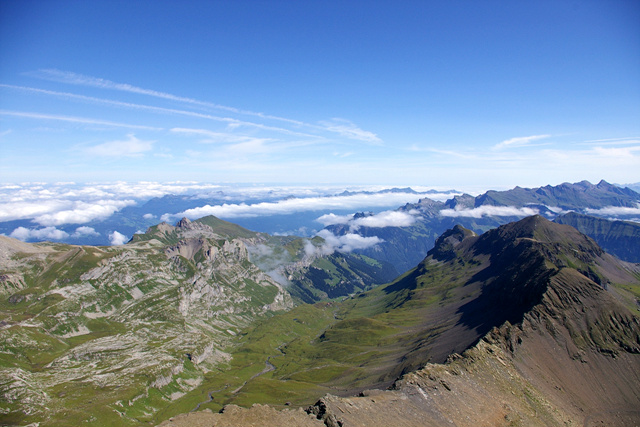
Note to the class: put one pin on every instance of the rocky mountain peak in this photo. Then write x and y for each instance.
(461, 202)
(359, 215)
(183, 223)
(448, 242)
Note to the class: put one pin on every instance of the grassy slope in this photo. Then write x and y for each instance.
(93, 358)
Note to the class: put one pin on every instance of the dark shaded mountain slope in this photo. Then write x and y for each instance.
(468, 285)
(620, 238)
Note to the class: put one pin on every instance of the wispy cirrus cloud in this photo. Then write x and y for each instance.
(625, 152)
(229, 121)
(72, 119)
(342, 127)
(212, 137)
(614, 141)
(70, 77)
(131, 147)
(520, 141)
(349, 130)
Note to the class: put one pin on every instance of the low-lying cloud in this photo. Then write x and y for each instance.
(47, 233)
(482, 211)
(344, 243)
(51, 233)
(83, 212)
(116, 238)
(384, 219)
(85, 232)
(380, 220)
(291, 205)
(333, 219)
(69, 203)
(614, 211)
(66, 203)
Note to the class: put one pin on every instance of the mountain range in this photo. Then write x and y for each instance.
(182, 319)
(530, 322)
(405, 246)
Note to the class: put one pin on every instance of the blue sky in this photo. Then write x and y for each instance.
(465, 94)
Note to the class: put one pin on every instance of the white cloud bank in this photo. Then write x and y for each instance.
(380, 220)
(482, 211)
(384, 219)
(614, 210)
(68, 203)
(352, 241)
(47, 233)
(287, 206)
(56, 204)
(333, 219)
(85, 232)
(82, 212)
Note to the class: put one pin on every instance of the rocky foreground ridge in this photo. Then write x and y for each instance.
(559, 345)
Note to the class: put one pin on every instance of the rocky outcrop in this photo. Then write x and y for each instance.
(118, 318)
(446, 244)
(234, 416)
